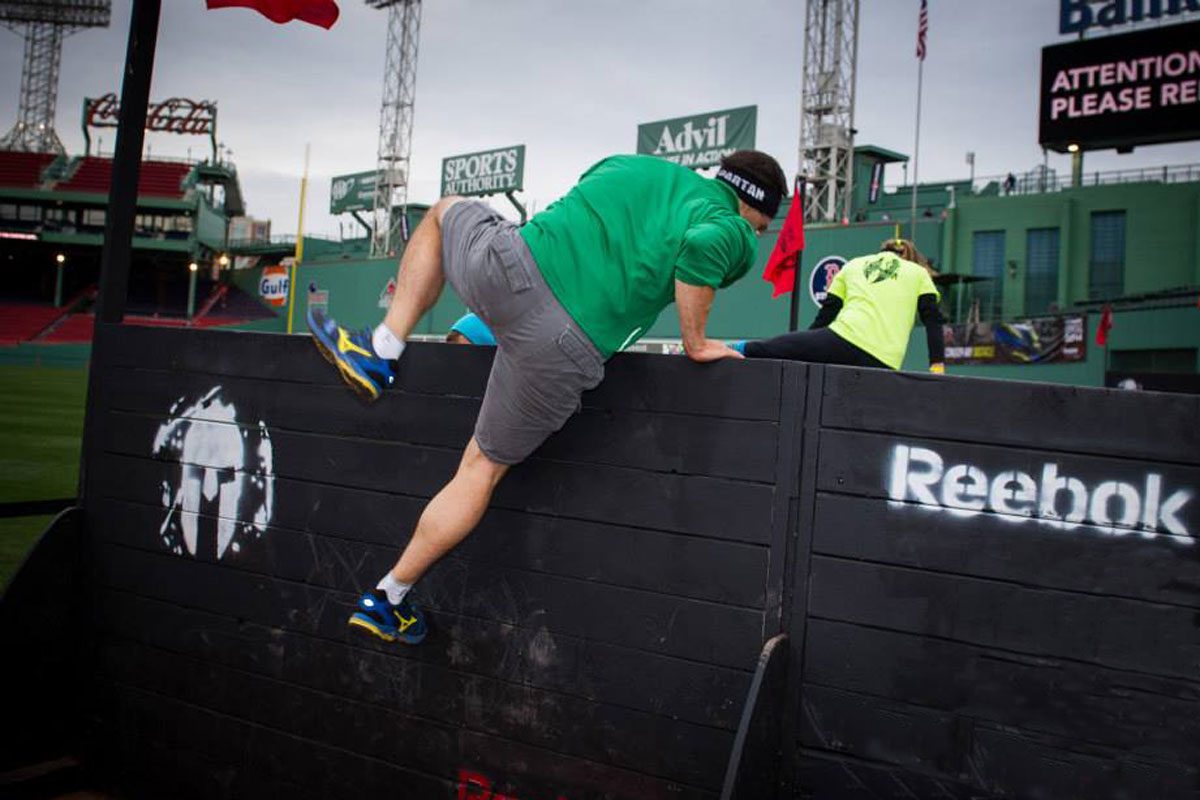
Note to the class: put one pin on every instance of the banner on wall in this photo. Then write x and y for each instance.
(1042, 340)
(701, 140)
(354, 192)
(489, 172)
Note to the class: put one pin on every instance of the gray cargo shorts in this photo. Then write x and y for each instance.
(544, 361)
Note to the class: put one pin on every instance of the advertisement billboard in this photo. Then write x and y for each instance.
(354, 192)
(1042, 340)
(487, 172)
(701, 140)
(1121, 91)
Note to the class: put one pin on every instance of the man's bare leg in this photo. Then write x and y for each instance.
(420, 278)
(451, 514)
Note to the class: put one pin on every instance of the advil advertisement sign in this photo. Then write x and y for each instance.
(273, 285)
(1120, 91)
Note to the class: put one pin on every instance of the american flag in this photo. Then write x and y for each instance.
(922, 29)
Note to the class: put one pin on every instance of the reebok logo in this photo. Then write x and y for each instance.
(921, 475)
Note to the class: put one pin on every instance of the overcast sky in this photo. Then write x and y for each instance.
(571, 81)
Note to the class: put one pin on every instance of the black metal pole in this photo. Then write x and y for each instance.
(798, 196)
(127, 161)
(122, 203)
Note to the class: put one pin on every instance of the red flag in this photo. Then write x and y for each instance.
(1105, 326)
(781, 266)
(315, 12)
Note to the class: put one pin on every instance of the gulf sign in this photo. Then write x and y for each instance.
(273, 285)
(822, 275)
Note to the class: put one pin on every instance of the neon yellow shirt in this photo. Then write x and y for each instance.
(879, 304)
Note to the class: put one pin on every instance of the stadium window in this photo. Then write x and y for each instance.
(29, 213)
(8, 211)
(1106, 270)
(1180, 360)
(987, 261)
(93, 217)
(1041, 274)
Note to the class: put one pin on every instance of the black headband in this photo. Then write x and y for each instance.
(751, 191)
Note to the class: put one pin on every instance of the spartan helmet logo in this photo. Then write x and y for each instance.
(225, 486)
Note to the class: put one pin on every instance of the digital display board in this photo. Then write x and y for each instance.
(1121, 91)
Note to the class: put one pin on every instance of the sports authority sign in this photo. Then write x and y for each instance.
(489, 172)
(1121, 91)
(701, 140)
(354, 192)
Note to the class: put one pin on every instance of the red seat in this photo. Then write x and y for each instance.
(156, 178)
(20, 322)
(23, 170)
(77, 328)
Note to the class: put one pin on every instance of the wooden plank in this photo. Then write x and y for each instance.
(799, 555)
(991, 546)
(243, 750)
(998, 762)
(701, 569)
(1075, 419)
(1022, 766)
(714, 507)
(1141, 715)
(1113, 632)
(1143, 497)
(688, 691)
(654, 623)
(634, 381)
(831, 776)
(667, 442)
(422, 734)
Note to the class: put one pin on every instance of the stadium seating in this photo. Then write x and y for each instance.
(75, 329)
(23, 170)
(20, 322)
(157, 178)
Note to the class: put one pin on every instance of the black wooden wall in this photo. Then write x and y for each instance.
(594, 638)
(597, 636)
(969, 654)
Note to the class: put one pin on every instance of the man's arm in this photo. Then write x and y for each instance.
(693, 303)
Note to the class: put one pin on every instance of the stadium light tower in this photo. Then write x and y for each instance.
(827, 107)
(44, 24)
(395, 123)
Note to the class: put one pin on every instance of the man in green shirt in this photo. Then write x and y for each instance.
(584, 279)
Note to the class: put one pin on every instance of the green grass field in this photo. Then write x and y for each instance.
(41, 426)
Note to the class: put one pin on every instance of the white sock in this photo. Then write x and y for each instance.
(386, 344)
(394, 589)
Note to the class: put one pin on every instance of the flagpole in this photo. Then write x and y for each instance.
(916, 152)
(299, 244)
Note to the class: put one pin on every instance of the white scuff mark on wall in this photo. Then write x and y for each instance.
(919, 474)
(223, 471)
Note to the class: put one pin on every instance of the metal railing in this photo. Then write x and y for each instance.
(1039, 181)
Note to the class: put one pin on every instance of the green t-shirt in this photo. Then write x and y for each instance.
(879, 304)
(612, 247)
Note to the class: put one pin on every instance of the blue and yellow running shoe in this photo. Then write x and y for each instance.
(353, 354)
(380, 618)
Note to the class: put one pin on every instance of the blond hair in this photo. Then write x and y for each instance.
(905, 249)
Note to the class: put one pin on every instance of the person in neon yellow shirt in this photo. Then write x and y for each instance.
(867, 315)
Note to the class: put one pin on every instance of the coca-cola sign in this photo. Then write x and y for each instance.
(173, 115)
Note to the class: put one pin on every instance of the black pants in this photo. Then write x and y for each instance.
(820, 346)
